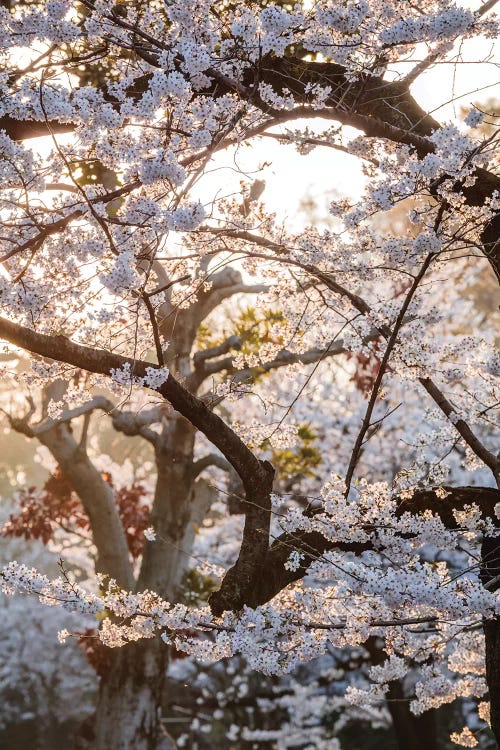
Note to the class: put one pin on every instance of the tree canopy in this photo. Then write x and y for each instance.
(342, 377)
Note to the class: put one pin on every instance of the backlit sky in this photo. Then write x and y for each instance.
(291, 178)
(325, 171)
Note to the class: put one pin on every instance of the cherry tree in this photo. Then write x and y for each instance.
(118, 272)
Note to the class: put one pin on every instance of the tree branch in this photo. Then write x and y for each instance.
(362, 307)
(257, 476)
(211, 459)
(313, 544)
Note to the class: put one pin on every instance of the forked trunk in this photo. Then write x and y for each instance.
(129, 705)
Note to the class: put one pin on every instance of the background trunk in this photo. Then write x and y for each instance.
(490, 570)
(130, 695)
(129, 706)
(412, 732)
(98, 500)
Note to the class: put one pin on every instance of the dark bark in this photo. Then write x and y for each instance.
(490, 570)
(238, 584)
(491, 629)
(22, 130)
(273, 577)
(412, 732)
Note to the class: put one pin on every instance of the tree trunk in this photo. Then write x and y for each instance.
(131, 691)
(129, 706)
(412, 732)
(491, 630)
(98, 501)
(490, 570)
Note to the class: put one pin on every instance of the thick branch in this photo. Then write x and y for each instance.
(211, 459)
(47, 230)
(232, 342)
(98, 402)
(62, 349)
(284, 358)
(22, 130)
(313, 544)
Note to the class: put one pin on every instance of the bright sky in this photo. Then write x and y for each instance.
(324, 171)
(291, 178)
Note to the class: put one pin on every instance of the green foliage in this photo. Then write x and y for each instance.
(205, 337)
(252, 327)
(255, 329)
(196, 588)
(94, 172)
(299, 462)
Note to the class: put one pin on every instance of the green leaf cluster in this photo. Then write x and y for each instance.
(298, 462)
(253, 327)
(196, 587)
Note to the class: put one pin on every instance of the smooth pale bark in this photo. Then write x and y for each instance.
(130, 696)
(164, 560)
(97, 499)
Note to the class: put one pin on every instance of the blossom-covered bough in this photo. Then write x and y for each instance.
(108, 254)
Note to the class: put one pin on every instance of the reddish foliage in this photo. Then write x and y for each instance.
(96, 652)
(56, 505)
(134, 516)
(367, 368)
(41, 512)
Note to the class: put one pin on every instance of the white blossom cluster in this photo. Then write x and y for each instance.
(439, 26)
(154, 378)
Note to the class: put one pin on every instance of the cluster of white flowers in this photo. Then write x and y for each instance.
(155, 376)
(150, 534)
(474, 118)
(18, 578)
(123, 275)
(446, 24)
(186, 218)
(346, 18)
(294, 561)
(163, 166)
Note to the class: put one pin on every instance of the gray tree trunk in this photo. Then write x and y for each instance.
(129, 707)
(130, 696)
